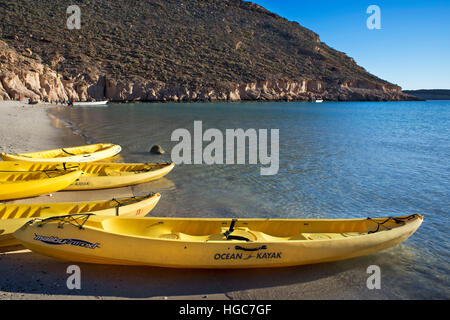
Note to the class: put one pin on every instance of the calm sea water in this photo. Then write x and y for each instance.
(337, 160)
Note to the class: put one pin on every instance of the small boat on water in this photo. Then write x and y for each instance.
(96, 175)
(212, 243)
(319, 100)
(89, 153)
(13, 216)
(89, 103)
(17, 185)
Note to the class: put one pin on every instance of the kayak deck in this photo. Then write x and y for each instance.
(96, 175)
(11, 177)
(29, 184)
(20, 211)
(67, 152)
(248, 230)
(86, 153)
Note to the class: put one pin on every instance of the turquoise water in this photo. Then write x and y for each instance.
(337, 160)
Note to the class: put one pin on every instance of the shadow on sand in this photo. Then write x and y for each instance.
(28, 273)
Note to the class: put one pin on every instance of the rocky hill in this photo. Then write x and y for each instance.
(430, 94)
(172, 50)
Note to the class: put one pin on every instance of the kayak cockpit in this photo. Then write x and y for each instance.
(256, 236)
(208, 230)
(68, 152)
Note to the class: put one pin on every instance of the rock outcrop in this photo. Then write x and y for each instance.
(157, 149)
(430, 94)
(23, 77)
(302, 90)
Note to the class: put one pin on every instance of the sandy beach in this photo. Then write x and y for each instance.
(24, 127)
(26, 275)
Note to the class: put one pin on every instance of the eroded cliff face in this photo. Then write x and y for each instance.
(301, 90)
(26, 77)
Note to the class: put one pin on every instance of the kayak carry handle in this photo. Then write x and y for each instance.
(250, 249)
(71, 154)
(70, 219)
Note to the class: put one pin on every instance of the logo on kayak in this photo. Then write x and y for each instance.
(73, 242)
(246, 256)
(81, 183)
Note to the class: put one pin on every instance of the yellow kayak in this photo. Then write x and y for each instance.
(94, 152)
(212, 243)
(13, 216)
(17, 185)
(97, 175)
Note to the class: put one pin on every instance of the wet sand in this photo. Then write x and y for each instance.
(27, 128)
(26, 275)
(29, 276)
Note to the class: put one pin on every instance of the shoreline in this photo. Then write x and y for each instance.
(68, 127)
(27, 128)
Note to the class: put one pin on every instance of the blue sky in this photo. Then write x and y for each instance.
(412, 48)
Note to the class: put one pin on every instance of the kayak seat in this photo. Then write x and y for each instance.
(321, 236)
(264, 237)
(327, 236)
(183, 237)
(169, 236)
(239, 232)
(299, 236)
(353, 234)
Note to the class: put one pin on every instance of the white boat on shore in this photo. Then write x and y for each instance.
(89, 103)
